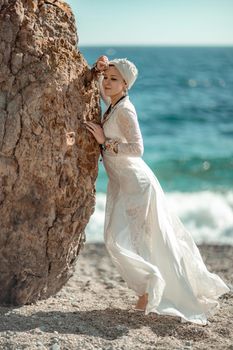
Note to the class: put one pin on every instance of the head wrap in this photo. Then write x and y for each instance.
(127, 69)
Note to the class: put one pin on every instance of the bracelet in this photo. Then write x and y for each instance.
(110, 145)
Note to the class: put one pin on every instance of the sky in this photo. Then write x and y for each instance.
(154, 22)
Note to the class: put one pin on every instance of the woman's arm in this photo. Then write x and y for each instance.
(105, 98)
(127, 122)
(96, 72)
(99, 67)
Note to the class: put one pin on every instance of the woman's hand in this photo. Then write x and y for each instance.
(98, 68)
(96, 131)
(102, 63)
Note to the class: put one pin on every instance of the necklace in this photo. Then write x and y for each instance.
(110, 108)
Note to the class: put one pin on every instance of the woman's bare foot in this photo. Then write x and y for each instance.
(142, 301)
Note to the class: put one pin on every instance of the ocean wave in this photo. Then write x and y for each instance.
(207, 215)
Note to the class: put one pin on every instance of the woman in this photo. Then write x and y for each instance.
(152, 250)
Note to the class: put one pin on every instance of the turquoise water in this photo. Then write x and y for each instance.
(184, 101)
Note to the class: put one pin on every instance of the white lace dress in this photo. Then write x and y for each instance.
(147, 242)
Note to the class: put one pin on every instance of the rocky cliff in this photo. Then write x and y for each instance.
(48, 160)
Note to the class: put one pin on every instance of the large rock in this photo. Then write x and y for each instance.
(48, 160)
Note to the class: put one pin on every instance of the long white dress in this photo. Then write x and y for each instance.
(147, 242)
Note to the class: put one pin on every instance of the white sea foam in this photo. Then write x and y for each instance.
(95, 226)
(207, 215)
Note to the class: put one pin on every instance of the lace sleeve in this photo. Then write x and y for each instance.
(128, 124)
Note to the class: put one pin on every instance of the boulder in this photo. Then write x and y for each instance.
(48, 159)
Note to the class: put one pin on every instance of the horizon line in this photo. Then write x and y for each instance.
(157, 45)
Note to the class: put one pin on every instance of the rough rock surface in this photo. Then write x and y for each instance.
(48, 160)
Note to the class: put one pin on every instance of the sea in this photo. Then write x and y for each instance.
(184, 102)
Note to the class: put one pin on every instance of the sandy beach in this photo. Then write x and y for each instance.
(95, 311)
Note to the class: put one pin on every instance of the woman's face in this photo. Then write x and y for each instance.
(113, 83)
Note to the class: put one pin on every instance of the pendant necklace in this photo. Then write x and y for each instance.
(109, 110)
(107, 115)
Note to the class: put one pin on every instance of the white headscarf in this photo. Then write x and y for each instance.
(127, 69)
